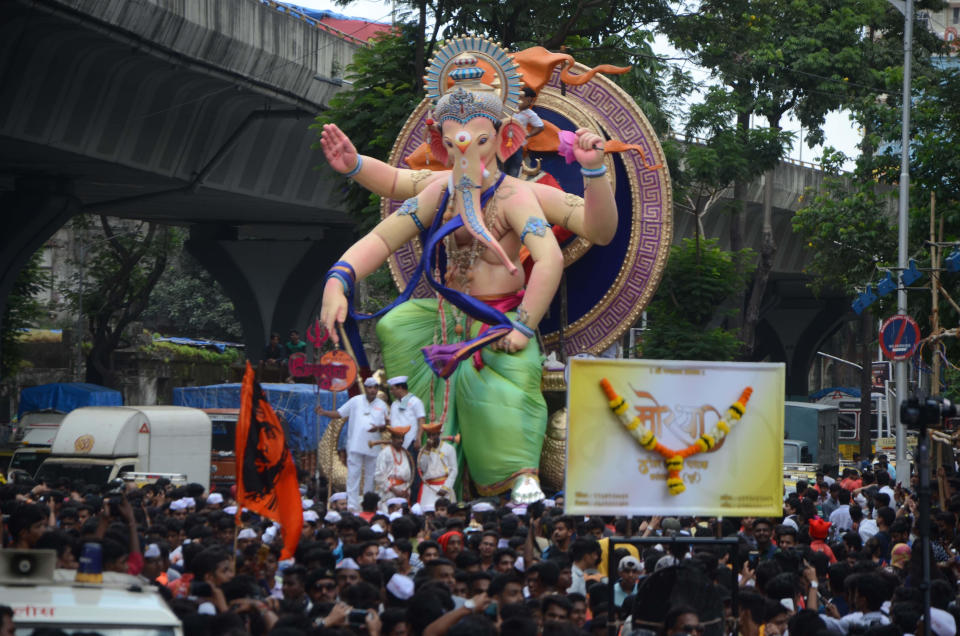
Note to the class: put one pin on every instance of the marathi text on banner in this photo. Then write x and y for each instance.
(654, 437)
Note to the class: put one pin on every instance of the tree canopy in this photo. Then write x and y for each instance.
(121, 264)
(189, 302)
(372, 111)
(23, 310)
(700, 277)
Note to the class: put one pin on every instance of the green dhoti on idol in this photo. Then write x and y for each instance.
(497, 409)
(488, 255)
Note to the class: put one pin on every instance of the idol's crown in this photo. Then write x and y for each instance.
(458, 61)
(469, 97)
(463, 105)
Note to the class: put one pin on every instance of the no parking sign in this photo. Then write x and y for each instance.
(899, 337)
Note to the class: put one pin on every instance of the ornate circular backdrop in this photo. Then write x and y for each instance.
(607, 286)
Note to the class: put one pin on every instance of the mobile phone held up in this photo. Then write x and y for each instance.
(357, 617)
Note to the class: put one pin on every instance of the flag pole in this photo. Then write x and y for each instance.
(239, 474)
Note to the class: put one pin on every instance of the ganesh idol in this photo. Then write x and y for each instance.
(471, 351)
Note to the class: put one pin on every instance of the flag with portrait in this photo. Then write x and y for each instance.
(266, 475)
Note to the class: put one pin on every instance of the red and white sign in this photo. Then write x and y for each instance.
(899, 337)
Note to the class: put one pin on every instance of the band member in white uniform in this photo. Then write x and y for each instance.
(394, 473)
(438, 467)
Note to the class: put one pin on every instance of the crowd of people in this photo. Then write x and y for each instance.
(844, 558)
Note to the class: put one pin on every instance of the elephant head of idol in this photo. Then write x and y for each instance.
(468, 133)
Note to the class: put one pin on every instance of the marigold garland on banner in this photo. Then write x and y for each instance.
(673, 459)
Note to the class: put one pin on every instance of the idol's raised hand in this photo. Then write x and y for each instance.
(588, 149)
(338, 149)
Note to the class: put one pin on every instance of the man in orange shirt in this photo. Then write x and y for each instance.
(851, 479)
(819, 529)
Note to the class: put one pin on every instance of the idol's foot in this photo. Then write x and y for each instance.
(526, 490)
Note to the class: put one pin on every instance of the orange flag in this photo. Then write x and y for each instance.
(266, 475)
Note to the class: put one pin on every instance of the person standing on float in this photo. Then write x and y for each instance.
(438, 468)
(366, 416)
(393, 476)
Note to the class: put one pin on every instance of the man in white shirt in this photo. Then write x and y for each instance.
(840, 518)
(366, 417)
(883, 480)
(438, 467)
(585, 553)
(406, 411)
(867, 593)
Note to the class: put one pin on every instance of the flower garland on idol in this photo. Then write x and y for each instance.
(673, 459)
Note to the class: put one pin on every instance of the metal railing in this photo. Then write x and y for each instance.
(796, 162)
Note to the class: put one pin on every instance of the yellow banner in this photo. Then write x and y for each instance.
(621, 437)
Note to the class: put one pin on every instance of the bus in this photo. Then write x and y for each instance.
(850, 428)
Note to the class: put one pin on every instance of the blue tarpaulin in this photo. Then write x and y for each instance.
(293, 402)
(66, 396)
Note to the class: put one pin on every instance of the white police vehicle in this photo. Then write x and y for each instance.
(44, 597)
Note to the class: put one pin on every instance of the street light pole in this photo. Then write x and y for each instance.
(900, 372)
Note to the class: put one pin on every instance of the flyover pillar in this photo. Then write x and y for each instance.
(275, 285)
(32, 212)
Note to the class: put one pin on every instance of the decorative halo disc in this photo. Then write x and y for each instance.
(608, 286)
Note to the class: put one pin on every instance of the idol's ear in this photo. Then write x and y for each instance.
(437, 149)
(511, 139)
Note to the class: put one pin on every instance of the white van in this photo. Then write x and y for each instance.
(39, 429)
(96, 444)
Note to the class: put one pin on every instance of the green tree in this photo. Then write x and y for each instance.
(846, 234)
(373, 110)
(551, 24)
(121, 265)
(769, 58)
(847, 237)
(189, 302)
(23, 310)
(719, 154)
(934, 191)
(700, 277)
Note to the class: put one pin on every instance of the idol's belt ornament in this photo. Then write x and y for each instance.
(673, 459)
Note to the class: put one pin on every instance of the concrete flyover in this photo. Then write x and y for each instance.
(196, 113)
(185, 112)
(794, 323)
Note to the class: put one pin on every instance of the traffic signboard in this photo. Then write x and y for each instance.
(899, 337)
